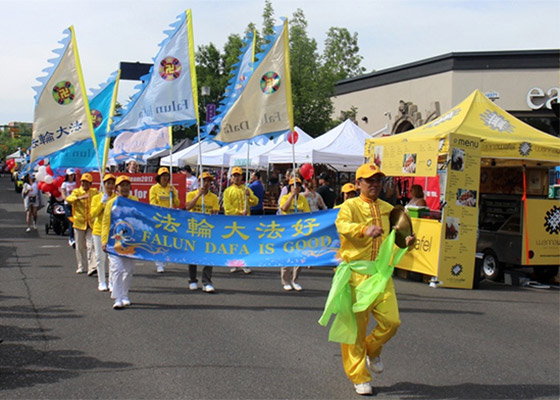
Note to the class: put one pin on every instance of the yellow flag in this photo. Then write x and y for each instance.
(62, 116)
(265, 105)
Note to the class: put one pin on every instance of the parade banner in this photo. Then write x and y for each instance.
(543, 232)
(145, 142)
(460, 214)
(168, 95)
(88, 155)
(147, 232)
(62, 115)
(407, 158)
(265, 105)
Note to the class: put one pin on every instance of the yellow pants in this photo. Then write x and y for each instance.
(386, 312)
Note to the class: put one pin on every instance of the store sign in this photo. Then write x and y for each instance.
(537, 98)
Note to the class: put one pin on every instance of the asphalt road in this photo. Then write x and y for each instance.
(250, 340)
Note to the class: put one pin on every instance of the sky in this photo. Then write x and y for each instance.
(390, 33)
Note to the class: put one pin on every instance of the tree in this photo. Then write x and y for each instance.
(268, 19)
(340, 56)
(311, 93)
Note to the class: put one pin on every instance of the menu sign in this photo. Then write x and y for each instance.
(406, 158)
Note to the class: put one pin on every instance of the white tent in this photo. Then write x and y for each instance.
(342, 148)
(184, 156)
(17, 155)
(235, 153)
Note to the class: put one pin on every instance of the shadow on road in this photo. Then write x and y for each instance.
(468, 391)
(23, 365)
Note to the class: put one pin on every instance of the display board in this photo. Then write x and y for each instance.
(407, 158)
(424, 258)
(543, 232)
(460, 215)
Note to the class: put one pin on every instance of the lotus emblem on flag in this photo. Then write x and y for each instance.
(63, 92)
(270, 82)
(170, 68)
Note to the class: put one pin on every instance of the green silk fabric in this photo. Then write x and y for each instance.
(345, 328)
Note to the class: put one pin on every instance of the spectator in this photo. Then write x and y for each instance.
(192, 182)
(417, 196)
(257, 187)
(314, 199)
(326, 192)
(30, 194)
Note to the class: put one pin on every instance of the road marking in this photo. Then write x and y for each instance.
(50, 246)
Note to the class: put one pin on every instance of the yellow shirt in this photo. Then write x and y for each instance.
(302, 204)
(81, 209)
(354, 217)
(106, 223)
(159, 195)
(96, 213)
(211, 203)
(234, 200)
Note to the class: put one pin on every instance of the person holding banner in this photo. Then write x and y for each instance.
(363, 224)
(122, 268)
(235, 203)
(97, 209)
(80, 200)
(66, 189)
(163, 194)
(211, 206)
(291, 203)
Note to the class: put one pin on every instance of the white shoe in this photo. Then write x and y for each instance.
(193, 286)
(363, 388)
(34, 226)
(118, 304)
(71, 242)
(287, 287)
(208, 288)
(28, 229)
(297, 286)
(160, 270)
(125, 301)
(110, 287)
(247, 270)
(102, 287)
(80, 271)
(375, 364)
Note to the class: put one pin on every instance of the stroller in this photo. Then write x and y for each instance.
(57, 220)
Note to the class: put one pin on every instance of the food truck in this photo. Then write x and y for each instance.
(492, 171)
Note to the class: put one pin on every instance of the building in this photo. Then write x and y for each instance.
(524, 83)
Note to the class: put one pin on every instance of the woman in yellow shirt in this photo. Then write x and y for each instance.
(164, 195)
(289, 206)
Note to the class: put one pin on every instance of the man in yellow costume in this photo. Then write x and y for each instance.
(122, 268)
(235, 204)
(80, 199)
(211, 205)
(163, 194)
(363, 226)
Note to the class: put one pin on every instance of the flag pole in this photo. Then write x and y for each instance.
(247, 172)
(171, 166)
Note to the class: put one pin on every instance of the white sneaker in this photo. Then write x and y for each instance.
(125, 301)
(247, 270)
(363, 388)
(375, 364)
(234, 269)
(71, 242)
(118, 304)
(297, 286)
(160, 270)
(34, 226)
(287, 287)
(28, 229)
(102, 287)
(208, 288)
(193, 286)
(80, 271)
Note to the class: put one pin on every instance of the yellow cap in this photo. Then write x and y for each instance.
(108, 176)
(162, 170)
(292, 181)
(121, 179)
(367, 171)
(87, 177)
(348, 187)
(237, 170)
(206, 175)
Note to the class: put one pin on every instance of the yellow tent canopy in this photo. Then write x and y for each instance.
(503, 136)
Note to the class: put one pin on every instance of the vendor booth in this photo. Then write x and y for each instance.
(493, 173)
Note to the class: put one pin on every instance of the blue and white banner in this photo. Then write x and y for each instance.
(145, 232)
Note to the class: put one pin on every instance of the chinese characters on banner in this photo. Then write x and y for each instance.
(153, 233)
